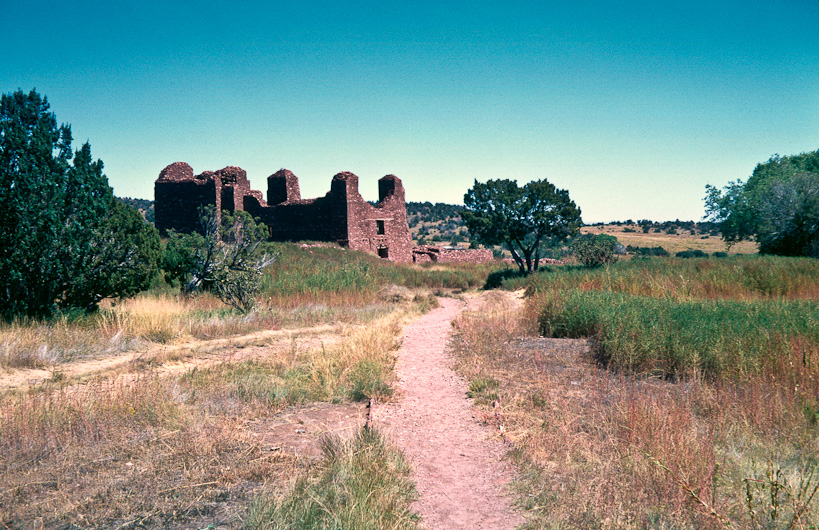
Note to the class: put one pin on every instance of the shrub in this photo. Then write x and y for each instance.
(595, 250)
(691, 253)
(228, 258)
(647, 251)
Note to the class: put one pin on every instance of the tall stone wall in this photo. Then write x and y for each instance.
(178, 195)
(341, 216)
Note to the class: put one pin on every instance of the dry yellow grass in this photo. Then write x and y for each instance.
(155, 318)
(160, 448)
(673, 243)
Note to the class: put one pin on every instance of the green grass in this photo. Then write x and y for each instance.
(362, 483)
(733, 278)
(727, 319)
(719, 338)
(336, 275)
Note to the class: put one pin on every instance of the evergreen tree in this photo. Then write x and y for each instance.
(499, 212)
(57, 212)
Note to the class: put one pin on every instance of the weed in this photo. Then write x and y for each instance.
(362, 483)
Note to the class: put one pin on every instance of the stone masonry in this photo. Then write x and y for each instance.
(429, 254)
(341, 216)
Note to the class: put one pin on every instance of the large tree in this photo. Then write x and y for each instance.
(778, 206)
(64, 240)
(499, 212)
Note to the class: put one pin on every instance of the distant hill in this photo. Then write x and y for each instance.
(144, 206)
(436, 223)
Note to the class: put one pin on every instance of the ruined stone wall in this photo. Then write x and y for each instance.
(282, 186)
(381, 229)
(235, 187)
(179, 194)
(306, 220)
(341, 216)
(425, 254)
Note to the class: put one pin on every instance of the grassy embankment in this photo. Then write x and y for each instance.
(155, 448)
(694, 406)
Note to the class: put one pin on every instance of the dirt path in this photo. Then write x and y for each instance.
(460, 473)
(177, 358)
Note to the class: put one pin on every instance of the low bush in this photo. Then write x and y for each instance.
(647, 251)
(595, 250)
(691, 254)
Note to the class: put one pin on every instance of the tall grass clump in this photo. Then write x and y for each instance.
(666, 337)
(157, 319)
(729, 318)
(362, 483)
(734, 278)
(599, 448)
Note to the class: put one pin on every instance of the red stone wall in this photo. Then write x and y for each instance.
(341, 216)
(178, 195)
(425, 254)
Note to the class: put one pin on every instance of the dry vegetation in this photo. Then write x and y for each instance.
(605, 448)
(157, 412)
(152, 449)
(632, 235)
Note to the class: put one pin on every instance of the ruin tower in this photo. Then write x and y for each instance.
(282, 186)
(179, 194)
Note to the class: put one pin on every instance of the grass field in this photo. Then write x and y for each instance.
(688, 400)
(169, 438)
(673, 243)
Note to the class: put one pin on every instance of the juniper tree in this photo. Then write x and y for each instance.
(499, 212)
(61, 233)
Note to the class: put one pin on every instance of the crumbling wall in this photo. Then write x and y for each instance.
(178, 195)
(381, 229)
(425, 254)
(341, 216)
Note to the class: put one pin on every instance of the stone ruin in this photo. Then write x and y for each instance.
(429, 254)
(342, 216)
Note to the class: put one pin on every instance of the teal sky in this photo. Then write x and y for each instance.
(632, 106)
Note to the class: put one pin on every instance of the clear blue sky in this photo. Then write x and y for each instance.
(632, 106)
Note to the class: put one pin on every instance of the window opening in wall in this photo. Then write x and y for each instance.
(383, 252)
(379, 228)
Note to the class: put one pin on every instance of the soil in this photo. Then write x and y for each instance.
(458, 465)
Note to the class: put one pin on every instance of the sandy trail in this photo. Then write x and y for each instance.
(460, 473)
(194, 353)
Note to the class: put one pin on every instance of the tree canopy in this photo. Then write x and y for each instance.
(499, 212)
(778, 206)
(64, 239)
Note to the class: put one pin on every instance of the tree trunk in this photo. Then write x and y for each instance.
(516, 257)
